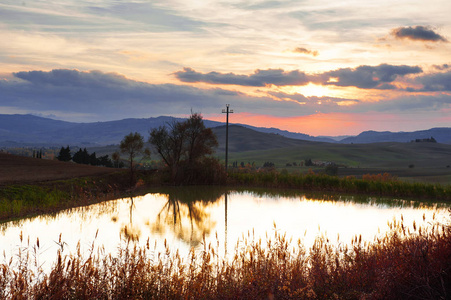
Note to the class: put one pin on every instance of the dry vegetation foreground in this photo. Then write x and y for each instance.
(18, 170)
(401, 265)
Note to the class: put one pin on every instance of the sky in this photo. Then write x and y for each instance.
(310, 66)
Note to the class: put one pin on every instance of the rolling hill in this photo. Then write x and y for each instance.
(30, 130)
(441, 135)
(248, 145)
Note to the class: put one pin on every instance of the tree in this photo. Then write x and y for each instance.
(183, 145)
(200, 140)
(308, 162)
(64, 154)
(117, 160)
(104, 161)
(169, 144)
(93, 159)
(78, 157)
(133, 145)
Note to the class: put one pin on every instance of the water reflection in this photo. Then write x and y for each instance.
(129, 231)
(187, 205)
(184, 217)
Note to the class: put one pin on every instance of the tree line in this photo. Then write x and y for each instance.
(82, 156)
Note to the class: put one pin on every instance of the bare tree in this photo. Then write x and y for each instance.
(183, 143)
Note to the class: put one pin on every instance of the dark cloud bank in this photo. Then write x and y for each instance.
(364, 77)
(97, 96)
(418, 33)
(260, 78)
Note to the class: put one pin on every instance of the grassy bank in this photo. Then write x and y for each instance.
(23, 200)
(379, 184)
(400, 265)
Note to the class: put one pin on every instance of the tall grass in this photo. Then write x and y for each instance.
(22, 200)
(379, 184)
(403, 264)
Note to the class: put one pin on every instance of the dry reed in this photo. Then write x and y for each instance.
(403, 264)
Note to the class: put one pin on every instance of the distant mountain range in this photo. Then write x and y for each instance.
(30, 130)
(441, 135)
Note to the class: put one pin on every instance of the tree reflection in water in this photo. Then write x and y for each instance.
(185, 213)
(129, 231)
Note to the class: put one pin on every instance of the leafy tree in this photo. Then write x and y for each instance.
(117, 160)
(183, 145)
(331, 169)
(83, 157)
(78, 156)
(308, 162)
(133, 145)
(64, 154)
(269, 164)
(93, 159)
(104, 161)
(200, 140)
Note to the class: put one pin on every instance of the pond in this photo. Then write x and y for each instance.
(185, 218)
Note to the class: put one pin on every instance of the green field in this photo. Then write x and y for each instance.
(423, 162)
(428, 162)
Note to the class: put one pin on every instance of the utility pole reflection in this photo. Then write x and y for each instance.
(225, 232)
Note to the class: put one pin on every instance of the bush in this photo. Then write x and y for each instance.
(331, 169)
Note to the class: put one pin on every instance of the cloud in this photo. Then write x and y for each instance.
(306, 51)
(73, 78)
(410, 104)
(404, 104)
(418, 33)
(442, 67)
(364, 77)
(90, 96)
(103, 96)
(96, 96)
(260, 78)
(99, 17)
(436, 82)
(369, 77)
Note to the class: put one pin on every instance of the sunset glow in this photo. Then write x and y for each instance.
(316, 67)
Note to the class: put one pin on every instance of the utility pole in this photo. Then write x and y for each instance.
(227, 111)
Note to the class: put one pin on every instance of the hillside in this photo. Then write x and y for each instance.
(29, 130)
(425, 162)
(19, 169)
(245, 139)
(33, 131)
(441, 135)
(422, 161)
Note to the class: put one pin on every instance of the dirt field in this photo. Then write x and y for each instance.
(18, 169)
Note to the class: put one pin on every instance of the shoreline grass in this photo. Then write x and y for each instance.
(17, 201)
(376, 184)
(399, 265)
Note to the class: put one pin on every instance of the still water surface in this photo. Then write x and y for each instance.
(184, 216)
